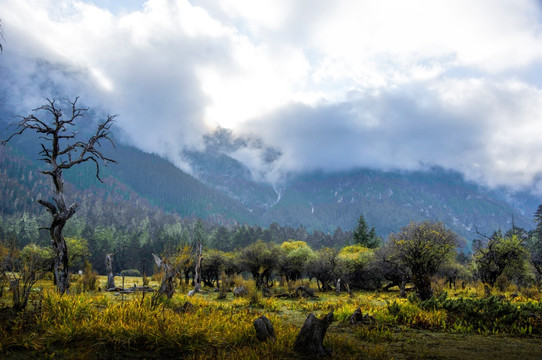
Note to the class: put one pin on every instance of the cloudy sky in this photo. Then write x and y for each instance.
(331, 85)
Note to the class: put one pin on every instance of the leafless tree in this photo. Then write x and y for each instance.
(60, 150)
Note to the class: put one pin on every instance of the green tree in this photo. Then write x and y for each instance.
(423, 248)
(353, 266)
(500, 255)
(78, 251)
(323, 268)
(260, 259)
(30, 264)
(212, 266)
(534, 243)
(364, 236)
(294, 257)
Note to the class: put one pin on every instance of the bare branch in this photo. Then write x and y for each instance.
(50, 207)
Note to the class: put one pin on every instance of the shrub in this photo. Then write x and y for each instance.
(89, 277)
(491, 314)
(223, 288)
(130, 272)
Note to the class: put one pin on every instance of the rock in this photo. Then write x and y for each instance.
(240, 291)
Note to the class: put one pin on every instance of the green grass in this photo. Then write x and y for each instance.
(104, 325)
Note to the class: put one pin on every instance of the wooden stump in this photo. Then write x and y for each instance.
(310, 339)
(356, 317)
(264, 329)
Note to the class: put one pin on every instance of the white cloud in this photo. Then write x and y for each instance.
(332, 85)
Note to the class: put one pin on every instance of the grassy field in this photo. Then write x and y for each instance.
(459, 324)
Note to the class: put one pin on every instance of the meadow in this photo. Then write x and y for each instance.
(456, 324)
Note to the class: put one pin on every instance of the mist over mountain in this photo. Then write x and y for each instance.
(224, 190)
(259, 122)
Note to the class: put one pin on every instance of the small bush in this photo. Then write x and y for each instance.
(223, 288)
(89, 278)
(146, 280)
(130, 272)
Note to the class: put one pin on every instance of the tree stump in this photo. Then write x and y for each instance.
(356, 317)
(310, 339)
(264, 329)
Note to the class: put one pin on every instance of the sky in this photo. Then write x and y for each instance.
(305, 84)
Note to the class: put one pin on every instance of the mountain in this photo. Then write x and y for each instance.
(222, 190)
(388, 200)
(136, 175)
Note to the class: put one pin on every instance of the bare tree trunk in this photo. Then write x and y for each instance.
(197, 274)
(109, 269)
(166, 287)
(309, 341)
(60, 214)
(61, 264)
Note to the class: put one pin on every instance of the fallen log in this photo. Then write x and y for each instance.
(302, 291)
(283, 296)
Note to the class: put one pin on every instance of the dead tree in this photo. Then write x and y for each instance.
(197, 273)
(109, 269)
(310, 339)
(167, 286)
(61, 151)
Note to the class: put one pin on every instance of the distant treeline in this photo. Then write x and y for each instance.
(135, 238)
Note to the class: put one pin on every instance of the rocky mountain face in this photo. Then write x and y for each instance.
(388, 200)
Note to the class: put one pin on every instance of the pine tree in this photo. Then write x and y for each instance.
(364, 236)
(538, 219)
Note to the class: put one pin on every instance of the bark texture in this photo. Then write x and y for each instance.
(310, 340)
(167, 286)
(197, 274)
(109, 269)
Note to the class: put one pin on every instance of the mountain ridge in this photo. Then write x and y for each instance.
(223, 190)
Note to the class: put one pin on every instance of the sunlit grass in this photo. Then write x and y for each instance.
(223, 328)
